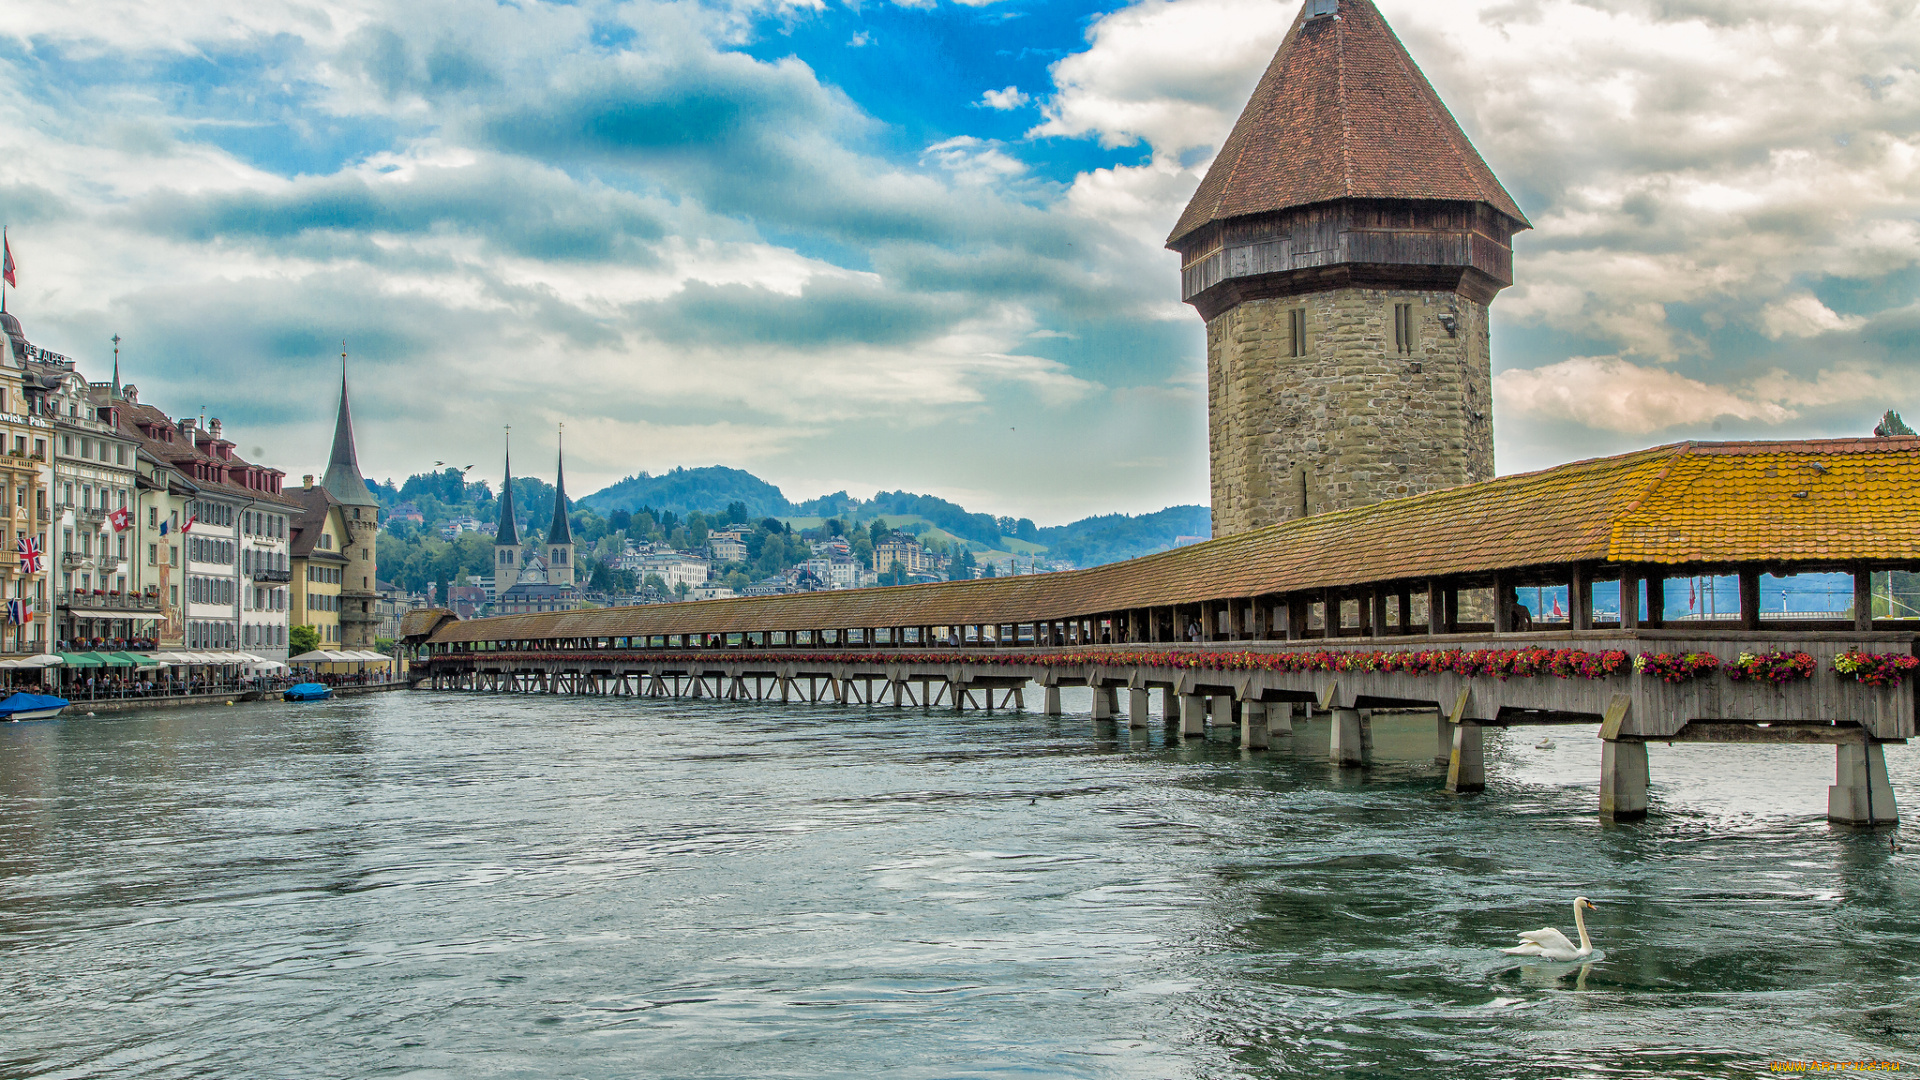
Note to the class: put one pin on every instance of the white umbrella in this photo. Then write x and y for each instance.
(41, 660)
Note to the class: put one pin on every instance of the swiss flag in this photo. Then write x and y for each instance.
(120, 520)
(6, 262)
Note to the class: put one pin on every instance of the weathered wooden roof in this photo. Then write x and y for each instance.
(1341, 113)
(1820, 502)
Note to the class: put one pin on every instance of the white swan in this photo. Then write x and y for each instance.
(1544, 744)
(1551, 944)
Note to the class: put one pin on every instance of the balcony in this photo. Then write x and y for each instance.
(90, 516)
(74, 559)
(99, 601)
(271, 577)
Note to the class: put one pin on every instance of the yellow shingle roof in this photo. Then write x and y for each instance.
(1817, 502)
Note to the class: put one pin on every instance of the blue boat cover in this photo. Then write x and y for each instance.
(306, 691)
(24, 702)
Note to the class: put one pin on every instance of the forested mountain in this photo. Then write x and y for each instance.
(721, 493)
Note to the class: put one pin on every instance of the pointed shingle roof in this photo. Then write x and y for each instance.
(1341, 113)
(509, 530)
(343, 480)
(560, 532)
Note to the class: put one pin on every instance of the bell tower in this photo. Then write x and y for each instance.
(560, 534)
(1343, 249)
(506, 536)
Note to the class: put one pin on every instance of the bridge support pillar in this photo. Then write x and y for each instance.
(1280, 719)
(1466, 758)
(1103, 702)
(958, 692)
(1137, 701)
(1221, 715)
(1443, 729)
(1860, 794)
(1253, 725)
(1193, 715)
(1351, 739)
(1053, 701)
(1623, 780)
(1169, 704)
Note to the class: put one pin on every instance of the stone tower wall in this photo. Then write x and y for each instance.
(560, 564)
(1352, 422)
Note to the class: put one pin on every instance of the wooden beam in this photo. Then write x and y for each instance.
(1629, 599)
(1862, 597)
(1378, 617)
(1656, 611)
(1717, 731)
(1436, 607)
(1749, 599)
(1580, 598)
(1503, 605)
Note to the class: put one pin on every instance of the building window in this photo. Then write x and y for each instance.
(1403, 329)
(1297, 332)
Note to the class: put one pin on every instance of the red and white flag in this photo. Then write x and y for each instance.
(120, 520)
(191, 518)
(6, 262)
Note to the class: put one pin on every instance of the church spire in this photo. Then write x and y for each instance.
(509, 530)
(560, 532)
(343, 480)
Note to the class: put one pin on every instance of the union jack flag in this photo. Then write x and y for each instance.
(19, 612)
(31, 560)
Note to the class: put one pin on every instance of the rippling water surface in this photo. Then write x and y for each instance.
(447, 885)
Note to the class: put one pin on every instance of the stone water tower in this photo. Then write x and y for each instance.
(1343, 249)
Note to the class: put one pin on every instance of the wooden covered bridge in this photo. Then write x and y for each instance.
(1404, 605)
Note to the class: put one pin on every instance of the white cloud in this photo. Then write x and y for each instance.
(973, 161)
(1004, 100)
(1612, 394)
(1803, 315)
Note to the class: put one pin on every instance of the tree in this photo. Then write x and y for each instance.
(895, 575)
(655, 584)
(961, 567)
(681, 589)
(302, 640)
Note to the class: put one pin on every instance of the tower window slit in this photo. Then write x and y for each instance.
(1297, 332)
(1403, 329)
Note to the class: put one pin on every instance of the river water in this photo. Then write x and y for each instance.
(441, 885)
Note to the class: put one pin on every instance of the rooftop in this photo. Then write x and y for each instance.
(1342, 112)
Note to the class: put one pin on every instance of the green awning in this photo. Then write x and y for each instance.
(130, 659)
(81, 659)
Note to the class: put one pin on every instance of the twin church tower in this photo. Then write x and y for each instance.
(545, 582)
(1343, 249)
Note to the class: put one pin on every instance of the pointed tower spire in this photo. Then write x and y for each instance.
(560, 532)
(509, 530)
(560, 535)
(1342, 112)
(116, 366)
(343, 480)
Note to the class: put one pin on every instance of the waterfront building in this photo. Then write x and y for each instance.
(195, 499)
(318, 554)
(1343, 249)
(26, 479)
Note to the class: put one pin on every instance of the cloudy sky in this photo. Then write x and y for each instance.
(914, 245)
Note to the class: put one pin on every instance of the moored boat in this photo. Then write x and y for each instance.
(307, 691)
(25, 706)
